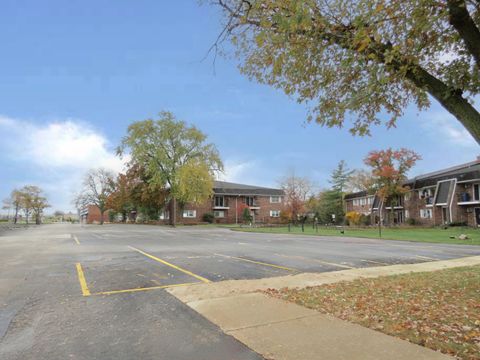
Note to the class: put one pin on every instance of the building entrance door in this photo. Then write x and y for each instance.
(477, 216)
(444, 215)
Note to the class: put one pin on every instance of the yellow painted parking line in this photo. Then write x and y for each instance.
(375, 262)
(142, 289)
(201, 278)
(258, 262)
(425, 257)
(76, 240)
(81, 279)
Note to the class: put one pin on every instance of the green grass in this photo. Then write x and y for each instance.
(432, 235)
(438, 310)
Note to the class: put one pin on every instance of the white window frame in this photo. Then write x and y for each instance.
(278, 199)
(164, 215)
(407, 214)
(473, 192)
(247, 198)
(426, 213)
(219, 214)
(191, 214)
(219, 197)
(275, 213)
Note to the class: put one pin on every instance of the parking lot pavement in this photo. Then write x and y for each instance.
(97, 292)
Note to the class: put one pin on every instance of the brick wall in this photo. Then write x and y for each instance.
(233, 204)
(94, 216)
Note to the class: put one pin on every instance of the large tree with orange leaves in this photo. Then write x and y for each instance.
(389, 171)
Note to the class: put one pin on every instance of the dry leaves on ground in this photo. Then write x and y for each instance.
(439, 310)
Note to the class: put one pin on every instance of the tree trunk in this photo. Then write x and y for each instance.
(101, 216)
(37, 219)
(173, 215)
(451, 99)
(15, 219)
(460, 19)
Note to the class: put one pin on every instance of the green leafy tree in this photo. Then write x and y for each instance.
(247, 216)
(328, 203)
(366, 57)
(171, 152)
(340, 176)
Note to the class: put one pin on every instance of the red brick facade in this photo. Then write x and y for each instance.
(443, 197)
(263, 210)
(91, 215)
(226, 205)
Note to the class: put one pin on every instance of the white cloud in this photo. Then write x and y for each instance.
(446, 128)
(59, 152)
(239, 171)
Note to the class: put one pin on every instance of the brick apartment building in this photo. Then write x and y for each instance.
(226, 205)
(441, 197)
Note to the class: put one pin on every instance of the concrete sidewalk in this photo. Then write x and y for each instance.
(280, 330)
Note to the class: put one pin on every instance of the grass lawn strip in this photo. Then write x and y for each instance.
(429, 235)
(439, 310)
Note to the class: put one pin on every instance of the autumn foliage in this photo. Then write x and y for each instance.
(389, 170)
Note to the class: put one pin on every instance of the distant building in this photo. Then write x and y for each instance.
(226, 205)
(450, 195)
(91, 215)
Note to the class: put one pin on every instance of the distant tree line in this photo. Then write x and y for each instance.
(29, 201)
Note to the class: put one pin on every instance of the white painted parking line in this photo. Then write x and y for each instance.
(375, 262)
(317, 261)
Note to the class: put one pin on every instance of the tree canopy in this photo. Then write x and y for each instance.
(173, 155)
(366, 58)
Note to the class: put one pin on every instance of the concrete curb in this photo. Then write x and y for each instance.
(281, 330)
(230, 287)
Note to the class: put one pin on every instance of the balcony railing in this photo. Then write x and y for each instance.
(429, 200)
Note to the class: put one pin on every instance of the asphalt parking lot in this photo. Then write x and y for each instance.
(97, 292)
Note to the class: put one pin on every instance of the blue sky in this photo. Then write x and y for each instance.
(74, 74)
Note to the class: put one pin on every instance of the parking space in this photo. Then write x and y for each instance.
(153, 258)
(98, 292)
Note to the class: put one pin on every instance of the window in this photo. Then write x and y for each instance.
(476, 193)
(164, 215)
(363, 201)
(356, 202)
(219, 201)
(426, 213)
(219, 214)
(275, 199)
(408, 196)
(274, 213)
(189, 213)
(249, 200)
(370, 200)
(407, 214)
